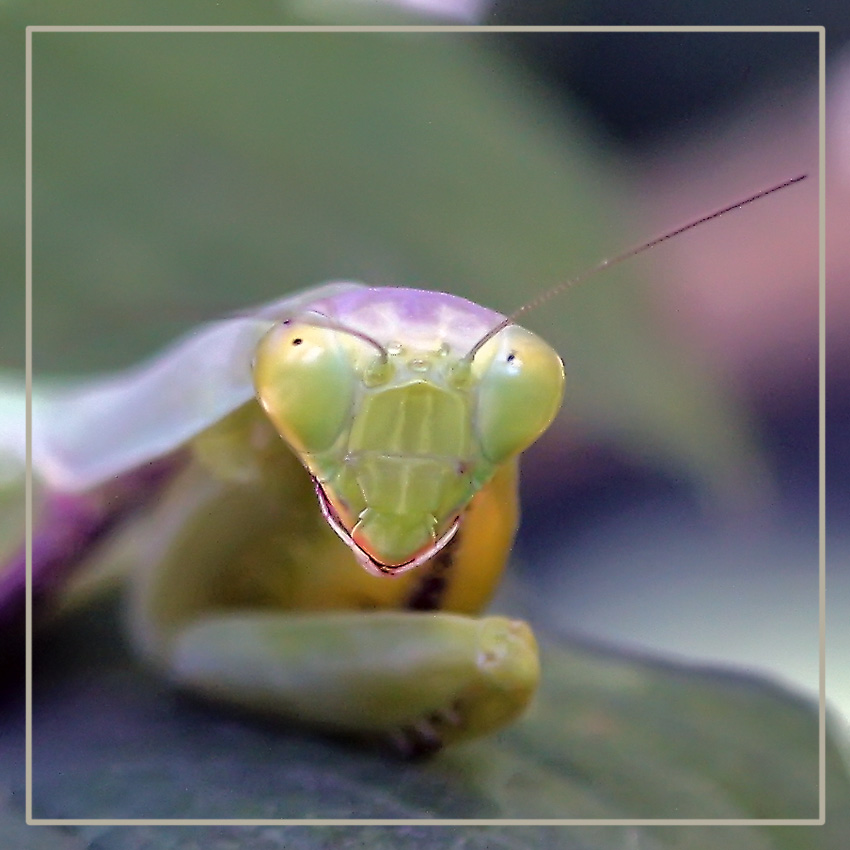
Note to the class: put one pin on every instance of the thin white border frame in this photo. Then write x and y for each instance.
(429, 821)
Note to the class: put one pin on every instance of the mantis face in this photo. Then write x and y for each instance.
(399, 426)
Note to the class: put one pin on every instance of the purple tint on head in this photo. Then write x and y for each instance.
(422, 317)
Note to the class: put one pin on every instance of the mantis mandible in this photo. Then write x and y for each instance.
(403, 413)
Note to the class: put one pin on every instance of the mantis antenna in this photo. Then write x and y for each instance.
(619, 258)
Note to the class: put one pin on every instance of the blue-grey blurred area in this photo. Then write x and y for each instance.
(640, 87)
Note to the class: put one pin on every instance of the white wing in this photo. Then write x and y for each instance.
(98, 429)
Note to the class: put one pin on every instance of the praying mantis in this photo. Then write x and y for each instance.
(318, 497)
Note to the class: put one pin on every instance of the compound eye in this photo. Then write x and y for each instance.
(520, 387)
(305, 380)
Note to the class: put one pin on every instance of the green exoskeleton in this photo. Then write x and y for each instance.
(403, 414)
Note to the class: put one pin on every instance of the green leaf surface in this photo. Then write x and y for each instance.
(610, 736)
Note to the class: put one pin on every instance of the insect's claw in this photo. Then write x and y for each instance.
(419, 740)
(424, 737)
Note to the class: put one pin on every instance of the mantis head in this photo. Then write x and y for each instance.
(401, 429)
